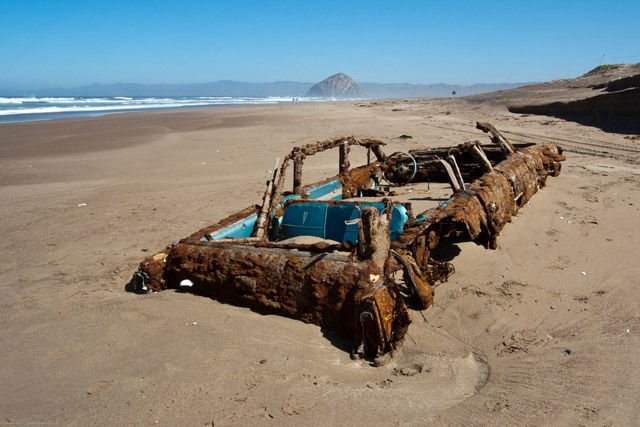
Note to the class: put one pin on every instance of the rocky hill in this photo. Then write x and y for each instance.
(338, 85)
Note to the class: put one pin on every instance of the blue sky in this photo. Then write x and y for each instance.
(70, 43)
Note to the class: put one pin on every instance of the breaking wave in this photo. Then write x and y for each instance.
(14, 109)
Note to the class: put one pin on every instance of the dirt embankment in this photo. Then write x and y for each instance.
(607, 97)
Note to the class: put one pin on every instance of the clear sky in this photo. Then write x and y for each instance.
(68, 43)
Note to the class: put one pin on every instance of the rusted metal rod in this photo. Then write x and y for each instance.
(497, 137)
(261, 222)
(344, 158)
(452, 178)
(456, 170)
(297, 174)
(477, 152)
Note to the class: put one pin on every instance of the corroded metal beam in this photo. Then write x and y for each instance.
(496, 137)
(489, 202)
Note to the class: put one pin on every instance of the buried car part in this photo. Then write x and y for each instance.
(327, 253)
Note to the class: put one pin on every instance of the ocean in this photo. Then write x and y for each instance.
(24, 109)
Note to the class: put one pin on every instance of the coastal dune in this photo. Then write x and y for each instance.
(544, 330)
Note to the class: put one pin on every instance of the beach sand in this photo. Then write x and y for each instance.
(545, 330)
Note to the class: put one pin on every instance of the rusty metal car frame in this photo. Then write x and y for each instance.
(340, 270)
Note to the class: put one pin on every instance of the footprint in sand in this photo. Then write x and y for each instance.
(561, 263)
(99, 387)
(587, 224)
(295, 406)
(520, 341)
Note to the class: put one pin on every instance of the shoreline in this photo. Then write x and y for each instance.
(38, 117)
(52, 108)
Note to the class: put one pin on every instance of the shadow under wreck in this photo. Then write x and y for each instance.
(334, 253)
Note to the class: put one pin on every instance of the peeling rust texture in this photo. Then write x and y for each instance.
(349, 288)
(497, 138)
(493, 199)
(298, 154)
(488, 203)
(420, 287)
(358, 179)
(326, 289)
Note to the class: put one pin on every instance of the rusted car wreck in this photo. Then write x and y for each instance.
(348, 253)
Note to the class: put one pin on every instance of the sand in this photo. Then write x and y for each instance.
(545, 330)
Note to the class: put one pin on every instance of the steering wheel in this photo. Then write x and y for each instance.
(400, 168)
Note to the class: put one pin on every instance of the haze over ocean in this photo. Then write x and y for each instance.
(74, 43)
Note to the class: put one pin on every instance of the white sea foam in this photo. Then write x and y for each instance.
(24, 107)
(4, 100)
(89, 108)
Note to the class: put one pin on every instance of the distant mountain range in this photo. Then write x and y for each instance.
(280, 89)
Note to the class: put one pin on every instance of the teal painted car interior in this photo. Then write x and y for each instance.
(313, 221)
(334, 221)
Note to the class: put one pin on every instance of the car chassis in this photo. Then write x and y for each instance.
(348, 253)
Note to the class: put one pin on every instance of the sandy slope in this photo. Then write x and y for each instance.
(590, 84)
(76, 349)
(607, 97)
